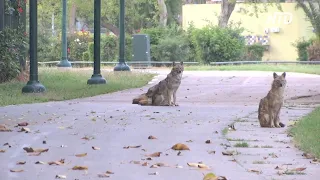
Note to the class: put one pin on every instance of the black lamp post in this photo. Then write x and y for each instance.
(122, 66)
(97, 78)
(33, 85)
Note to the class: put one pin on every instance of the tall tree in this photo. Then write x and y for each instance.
(312, 11)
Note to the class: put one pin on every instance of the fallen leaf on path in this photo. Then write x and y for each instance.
(145, 164)
(154, 166)
(299, 169)
(58, 163)
(21, 162)
(308, 156)
(278, 168)
(152, 137)
(6, 144)
(34, 154)
(189, 141)
(24, 129)
(227, 153)
(193, 164)
(95, 148)
(255, 171)
(203, 166)
(210, 176)
(212, 152)
(179, 153)
(103, 175)
(156, 154)
(180, 147)
(135, 162)
(4, 128)
(208, 141)
(109, 172)
(31, 150)
(61, 177)
(16, 170)
(315, 161)
(127, 147)
(149, 159)
(81, 155)
(2, 150)
(23, 124)
(40, 162)
(155, 173)
(80, 168)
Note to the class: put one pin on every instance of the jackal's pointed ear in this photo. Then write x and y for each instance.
(173, 63)
(181, 63)
(275, 75)
(284, 74)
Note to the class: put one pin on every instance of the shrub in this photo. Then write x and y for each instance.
(13, 47)
(78, 43)
(85, 56)
(49, 48)
(91, 51)
(156, 34)
(215, 44)
(302, 46)
(172, 49)
(254, 52)
(129, 51)
(314, 51)
(109, 48)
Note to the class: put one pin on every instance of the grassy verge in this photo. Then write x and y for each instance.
(306, 133)
(64, 85)
(310, 69)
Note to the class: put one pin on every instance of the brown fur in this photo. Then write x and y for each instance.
(269, 106)
(163, 93)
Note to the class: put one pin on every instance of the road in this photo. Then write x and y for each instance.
(209, 102)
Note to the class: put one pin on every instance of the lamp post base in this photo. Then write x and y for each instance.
(64, 63)
(33, 87)
(121, 66)
(96, 79)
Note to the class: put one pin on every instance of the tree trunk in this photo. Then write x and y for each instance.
(163, 13)
(227, 7)
(72, 18)
(110, 27)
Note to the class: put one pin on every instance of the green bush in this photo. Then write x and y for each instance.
(172, 49)
(13, 47)
(49, 48)
(109, 48)
(302, 46)
(156, 34)
(128, 47)
(85, 56)
(215, 44)
(91, 51)
(78, 43)
(254, 52)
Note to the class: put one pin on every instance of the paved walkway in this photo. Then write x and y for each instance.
(209, 102)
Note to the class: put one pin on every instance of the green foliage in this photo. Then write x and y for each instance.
(302, 46)
(128, 47)
(85, 56)
(49, 47)
(13, 47)
(172, 49)
(254, 52)
(215, 44)
(312, 11)
(91, 51)
(109, 48)
(78, 43)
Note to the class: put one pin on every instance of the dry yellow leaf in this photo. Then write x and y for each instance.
(80, 168)
(21, 162)
(180, 147)
(156, 154)
(16, 170)
(81, 155)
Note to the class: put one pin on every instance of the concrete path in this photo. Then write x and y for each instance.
(209, 102)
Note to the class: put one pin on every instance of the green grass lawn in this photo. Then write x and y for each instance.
(310, 69)
(64, 85)
(306, 133)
